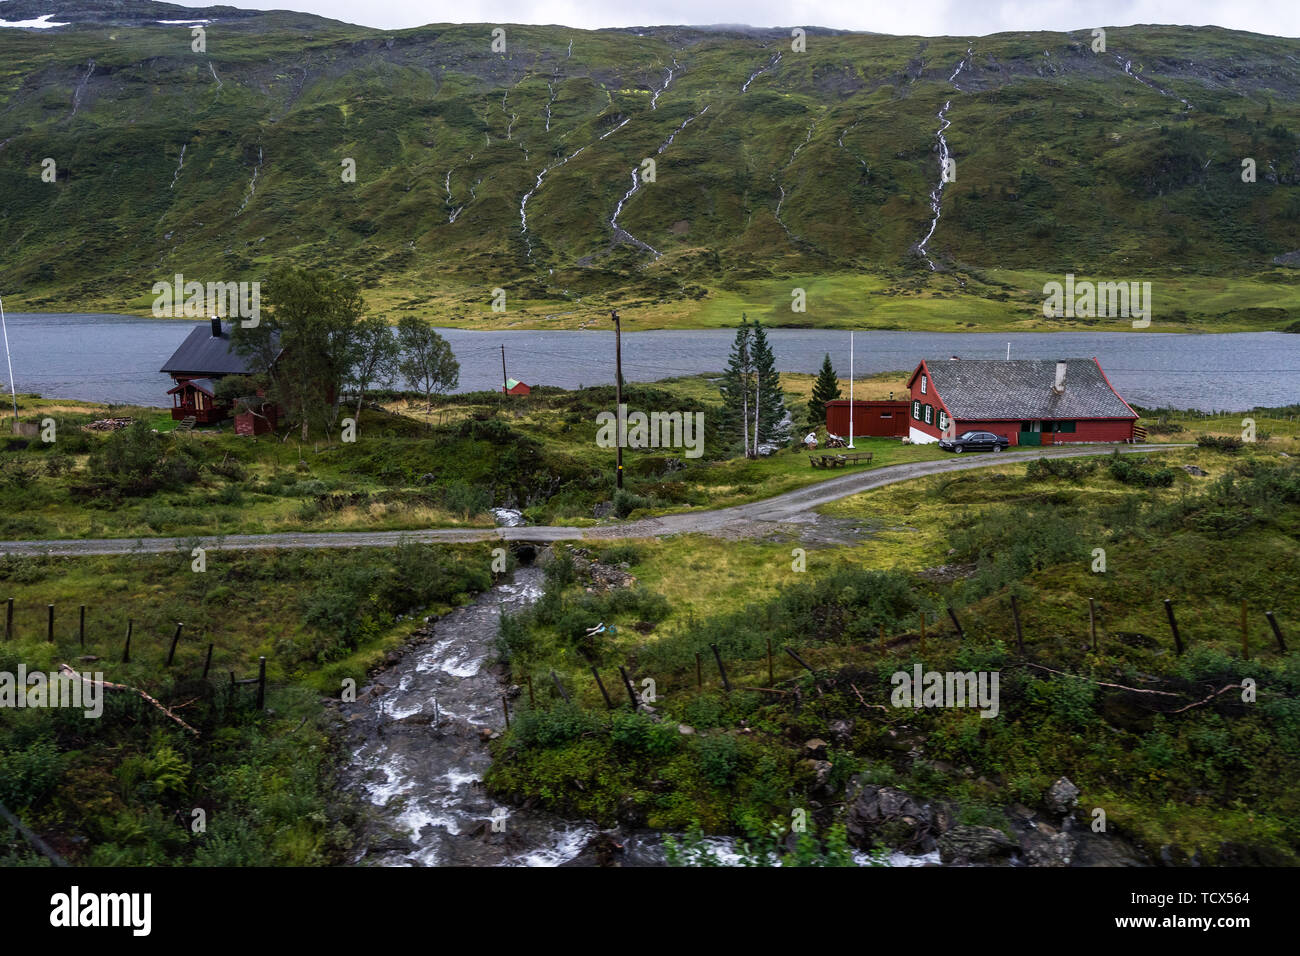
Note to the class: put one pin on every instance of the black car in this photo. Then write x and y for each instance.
(974, 441)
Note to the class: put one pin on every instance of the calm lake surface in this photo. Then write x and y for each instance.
(114, 358)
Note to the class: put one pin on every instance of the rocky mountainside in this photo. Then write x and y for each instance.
(525, 167)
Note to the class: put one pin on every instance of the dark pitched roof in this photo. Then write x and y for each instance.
(1022, 388)
(204, 353)
(204, 385)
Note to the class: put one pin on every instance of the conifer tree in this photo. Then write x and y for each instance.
(738, 385)
(771, 412)
(825, 389)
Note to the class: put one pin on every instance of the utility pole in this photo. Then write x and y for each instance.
(618, 394)
(12, 389)
(850, 389)
(505, 382)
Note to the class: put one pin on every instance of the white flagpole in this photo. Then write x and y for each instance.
(12, 390)
(850, 389)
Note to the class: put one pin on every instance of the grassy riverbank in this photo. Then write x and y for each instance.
(1172, 760)
(124, 789)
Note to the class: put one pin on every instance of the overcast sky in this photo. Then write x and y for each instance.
(926, 17)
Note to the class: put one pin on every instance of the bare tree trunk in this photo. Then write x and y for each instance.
(758, 388)
(744, 416)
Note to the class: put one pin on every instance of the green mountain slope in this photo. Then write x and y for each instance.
(775, 169)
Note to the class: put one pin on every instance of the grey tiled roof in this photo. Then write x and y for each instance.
(1022, 388)
(202, 352)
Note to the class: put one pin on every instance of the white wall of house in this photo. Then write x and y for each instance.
(918, 437)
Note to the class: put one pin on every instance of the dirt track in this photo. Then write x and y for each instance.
(757, 518)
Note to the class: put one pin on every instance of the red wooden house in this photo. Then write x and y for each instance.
(203, 359)
(516, 387)
(1030, 402)
(884, 418)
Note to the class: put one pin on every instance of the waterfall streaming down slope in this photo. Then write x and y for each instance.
(619, 232)
(936, 194)
(1127, 66)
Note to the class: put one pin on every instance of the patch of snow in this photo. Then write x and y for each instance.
(41, 23)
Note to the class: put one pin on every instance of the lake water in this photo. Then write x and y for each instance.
(116, 358)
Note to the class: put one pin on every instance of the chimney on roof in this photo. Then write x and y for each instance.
(952, 358)
(216, 327)
(1059, 386)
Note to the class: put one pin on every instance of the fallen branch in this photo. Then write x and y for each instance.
(864, 703)
(1099, 683)
(1207, 699)
(65, 669)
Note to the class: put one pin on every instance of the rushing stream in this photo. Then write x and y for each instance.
(418, 737)
(419, 751)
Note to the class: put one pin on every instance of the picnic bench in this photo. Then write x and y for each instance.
(838, 461)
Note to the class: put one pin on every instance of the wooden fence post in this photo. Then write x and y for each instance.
(631, 694)
(1245, 632)
(1092, 623)
(81, 626)
(609, 704)
(49, 623)
(126, 651)
(800, 661)
(1020, 635)
(560, 687)
(261, 683)
(171, 654)
(208, 663)
(961, 634)
(1277, 631)
(722, 671)
(1173, 625)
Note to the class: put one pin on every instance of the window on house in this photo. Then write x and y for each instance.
(929, 414)
(923, 384)
(1064, 427)
(943, 420)
(886, 414)
(916, 411)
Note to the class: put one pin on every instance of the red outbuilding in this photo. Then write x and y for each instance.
(878, 418)
(514, 387)
(1029, 402)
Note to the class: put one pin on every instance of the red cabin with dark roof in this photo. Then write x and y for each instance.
(202, 360)
(1027, 401)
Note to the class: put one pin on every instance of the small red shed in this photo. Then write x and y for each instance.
(1028, 401)
(870, 418)
(514, 387)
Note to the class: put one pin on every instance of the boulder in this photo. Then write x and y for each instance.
(819, 769)
(1044, 845)
(1062, 796)
(878, 814)
(1102, 849)
(967, 844)
(841, 731)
